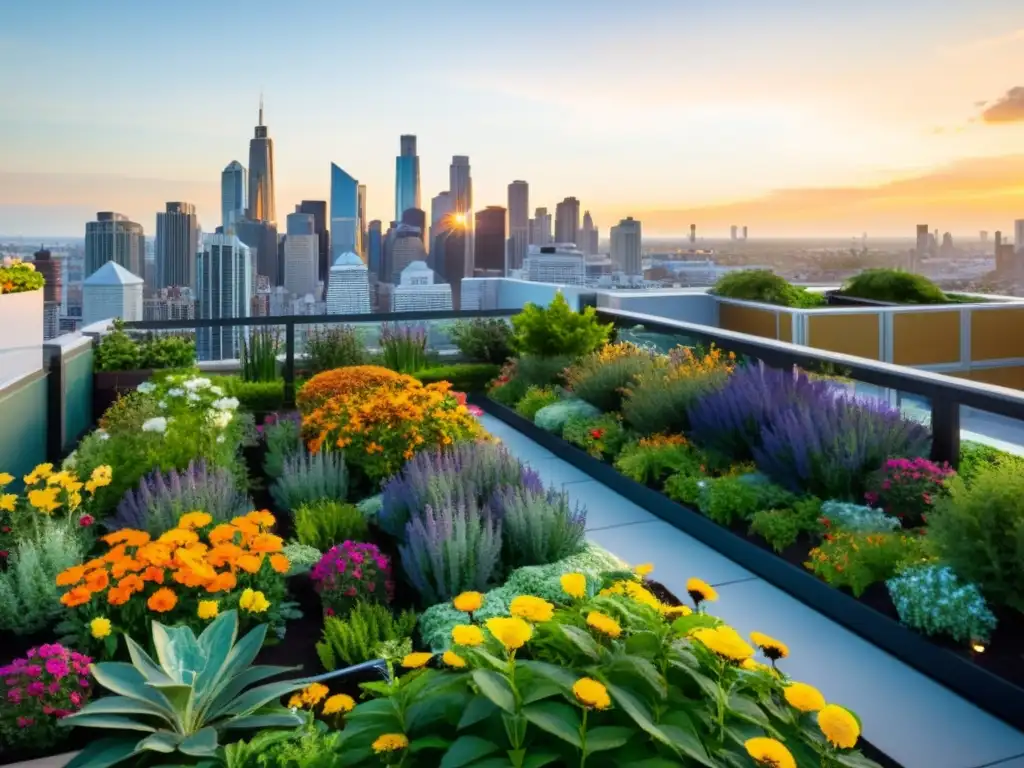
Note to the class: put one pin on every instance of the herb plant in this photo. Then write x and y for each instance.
(327, 522)
(355, 637)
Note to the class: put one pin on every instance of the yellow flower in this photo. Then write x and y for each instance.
(467, 634)
(416, 660)
(770, 647)
(208, 609)
(839, 726)
(804, 697)
(635, 591)
(314, 694)
(468, 602)
(769, 753)
(754, 666)
(591, 693)
(724, 641)
(7, 502)
(193, 520)
(253, 602)
(101, 476)
(390, 742)
(99, 627)
(700, 591)
(574, 585)
(644, 569)
(340, 702)
(453, 659)
(6, 479)
(512, 633)
(604, 624)
(295, 702)
(44, 500)
(41, 472)
(531, 608)
(675, 610)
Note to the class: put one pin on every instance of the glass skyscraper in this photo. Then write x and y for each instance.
(375, 247)
(345, 224)
(407, 177)
(232, 195)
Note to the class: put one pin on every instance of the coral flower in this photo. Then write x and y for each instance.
(280, 563)
(162, 601)
(70, 576)
(249, 563)
(77, 596)
(574, 585)
(224, 582)
(97, 581)
(513, 633)
(769, 753)
(267, 543)
(222, 534)
(531, 608)
(591, 694)
(118, 596)
(153, 574)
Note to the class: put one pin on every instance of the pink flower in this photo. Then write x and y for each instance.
(35, 688)
(371, 586)
(350, 592)
(330, 611)
(57, 667)
(76, 698)
(54, 687)
(475, 411)
(86, 520)
(33, 670)
(357, 573)
(14, 695)
(4, 554)
(25, 722)
(83, 682)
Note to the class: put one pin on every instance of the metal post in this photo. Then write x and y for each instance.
(289, 363)
(945, 430)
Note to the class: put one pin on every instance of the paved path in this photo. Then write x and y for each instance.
(914, 720)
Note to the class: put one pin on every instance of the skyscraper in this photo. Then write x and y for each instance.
(732, 232)
(374, 248)
(414, 217)
(626, 251)
(261, 175)
(407, 248)
(567, 221)
(518, 223)
(489, 259)
(460, 185)
(1018, 236)
(540, 227)
(440, 208)
(112, 237)
(587, 233)
(417, 291)
(361, 217)
(300, 255)
(261, 239)
(224, 288)
(348, 290)
(318, 209)
(111, 292)
(177, 242)
(51, 269)
(407, 177)
(232, 195)
(345, 231)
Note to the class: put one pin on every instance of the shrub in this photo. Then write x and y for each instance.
(535, 399)
(404, 346)
(352, 571)
(167, 351)
(349, 381)
(283, 438)
(908, 488)
(470, 471)
(979, 532)
(856, 518)
(37, 692)
(301, 557)
(356, 637)
(554, 417)
(450, 550)
(162, 498)
(727, 500)
(858, 560)
(602, 377)
(327, 522)
(894, 285)
(558, 330)
(333, 346)
(117, 351)
(782, 527)
(254, 396)
(601, 437)
(931, 599)
(828, 445)
(539, 527)
(464, 377)
(975, 457)
(121, 351)
(653, 459)
(764, 286)
(506, 388)
(17, 276)
(310, 477)
(487, 340)
(537, 371)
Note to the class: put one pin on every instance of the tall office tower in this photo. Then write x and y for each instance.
(261, 175)
(558, 264)
(540, 227)
(149, 270)
(111, 292)
(232, 195)
(318, 210)
(1018, 236)
(922, 239)
(417, 291)
(300, 256)
(225, 281)
(983, 235)
(450, 245)
(460, 185)
(744, 231)
(407, 247)
(407, 177)
(587, 235)
(414, 217)
(261, 239)
(626, 247)
(732, 232)
(518, 224)
(112, 237)
(693, 234)
(489, 259)
(177, 242)
(348, 289)
(345, 231)
(567, 221)
(361, 216)
(50, 269)
(440, 211)
(374, 248)
(595, 240)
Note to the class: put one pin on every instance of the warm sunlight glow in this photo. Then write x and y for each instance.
(460, 219)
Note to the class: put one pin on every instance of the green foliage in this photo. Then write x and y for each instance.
(857, 518)
(979, 531)
(301, 558)
(310, 747)
(284, 441)
(120, 351)
(535, 399)
(117, 351)
(326, 522)
(487, 340)
(651, 462)
(974, 457)
(355, 638)
(858, 560)
(539, 527)
(259, 354)
(254, 396)
(554, 417)
(538, 371)
(333, 346)
(464, 377)
(661, 404)
(782, 527)
(894, 285)
(197, 692)
(603, 382)
(557, 330)
(17, 276)
(932, 600)
(766, 287)
(310, 477)
(727, 500)
(602, 437)
(509, 393)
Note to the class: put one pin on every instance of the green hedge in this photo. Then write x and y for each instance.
(464, 377)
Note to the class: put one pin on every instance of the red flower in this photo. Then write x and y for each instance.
(3, 554)
(826, 522)
(597, 434)
(86, 520)
(5, 529)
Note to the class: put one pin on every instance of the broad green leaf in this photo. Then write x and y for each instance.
(582, 640)
(467, 749)
(256, 697)
(239, 661)
(122, 705)
(607, 737)
(284, 718)
(379, 688)
(200, 744)
(684, 625)
(162, 741)
(86, 720)
(178, 652)
(537, 690)
(479, 708)
(126, 680)
(493, 762)
(687, 742)
(496, 688)
(556, 718)
(179, 694)
(143, 662)
(562, 677)
(854, 760)
(105, 752)
(638, 711)
(655, 762)
(707, 686)
(429, 711)
(216, 642)
(636, 667)
(428, 742)
(539, 759)
(646, 644)
(747, 709)
(228, 690)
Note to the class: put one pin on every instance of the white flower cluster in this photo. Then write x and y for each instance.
(933, 600)
(156, 424)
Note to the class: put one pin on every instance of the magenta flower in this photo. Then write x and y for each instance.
(57, 667)
(25, 722)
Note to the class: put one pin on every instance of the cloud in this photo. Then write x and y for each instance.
(1008, 109)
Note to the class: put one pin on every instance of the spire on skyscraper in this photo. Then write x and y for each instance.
(261, 107)
(261, 174)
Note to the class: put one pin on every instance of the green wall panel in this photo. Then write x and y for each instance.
(23, 426)
(78, 416)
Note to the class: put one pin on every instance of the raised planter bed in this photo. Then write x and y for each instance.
(107, 386)
(996, 695)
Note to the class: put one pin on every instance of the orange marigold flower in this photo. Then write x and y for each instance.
(131, 584)
(224, 554)
(97, 581)
(193, 520)
(118, 596)
(155, 554)
(77, 596)
(280, 563)
(72, 575)
(96, 562)
(224, 582)
(117, 537)
(154, 574)
(262, 518)
(267, 542)
(128, 565)
(162, 601)
(120, 552)
(136, 539)
(222, 534)
(178, 537)
(250, 563)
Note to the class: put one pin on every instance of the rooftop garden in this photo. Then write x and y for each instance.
(765, 287)
(371, 580)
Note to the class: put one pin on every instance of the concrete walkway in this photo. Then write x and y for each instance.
(914, 720)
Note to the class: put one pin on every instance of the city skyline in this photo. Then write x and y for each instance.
(741, 129)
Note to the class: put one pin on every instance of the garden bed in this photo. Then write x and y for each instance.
(992, 680)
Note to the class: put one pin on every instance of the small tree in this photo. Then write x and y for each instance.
(557, 330)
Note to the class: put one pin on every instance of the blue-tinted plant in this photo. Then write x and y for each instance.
(162, 498)
(301, 557)
(282, 435)
(539, 528)
(554, 417)
(828, 445)
(857, 518)
(931, 599)
(451, 549)
(473, 471)
(310, 477)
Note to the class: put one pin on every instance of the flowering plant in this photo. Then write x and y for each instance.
(352, 571)
(17, 276)
(45, 493)
(37, 691)
(908, 488)
(344, 381)
(187, 576)
(858, 560)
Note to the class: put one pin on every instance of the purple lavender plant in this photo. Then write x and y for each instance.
(539, 528)
(163, 498)
(830, 444)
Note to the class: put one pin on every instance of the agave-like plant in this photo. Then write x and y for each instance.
(199, 688)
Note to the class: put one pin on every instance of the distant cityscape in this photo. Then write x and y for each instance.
(329, 259)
